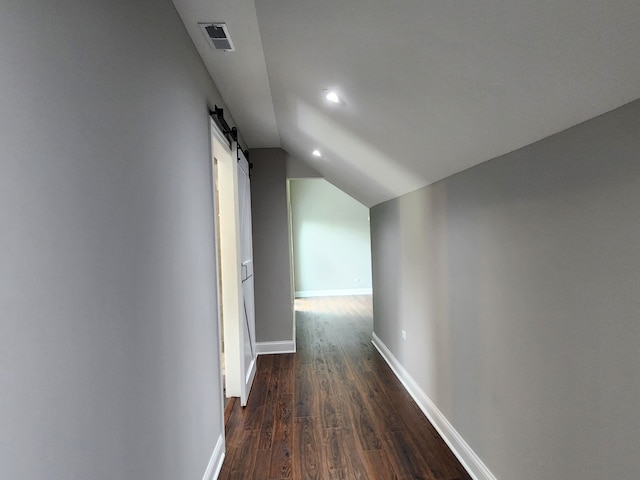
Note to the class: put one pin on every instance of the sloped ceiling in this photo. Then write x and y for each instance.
(430, 88)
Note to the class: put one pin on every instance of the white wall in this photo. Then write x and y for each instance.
(109, 363)
(331, 240)
(517, 283)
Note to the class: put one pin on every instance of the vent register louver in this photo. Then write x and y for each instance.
(217, 35)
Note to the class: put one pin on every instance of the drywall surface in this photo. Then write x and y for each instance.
(271, 257)
(331, 239)
(297, 168)
(109, 349)
(517, 284)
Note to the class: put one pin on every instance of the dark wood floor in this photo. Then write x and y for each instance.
(333, 410)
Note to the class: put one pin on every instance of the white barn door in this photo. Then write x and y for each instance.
(248, 327)
(233, 225)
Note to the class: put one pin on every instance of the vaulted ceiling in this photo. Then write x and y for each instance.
(429, 88)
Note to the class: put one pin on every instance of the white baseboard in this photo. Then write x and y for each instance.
(470, 461)
(286, 346)
(216, 460)
(333, 293)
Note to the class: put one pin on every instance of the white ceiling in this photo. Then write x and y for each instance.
(430, 87)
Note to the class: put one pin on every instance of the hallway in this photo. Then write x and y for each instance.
(333, 410)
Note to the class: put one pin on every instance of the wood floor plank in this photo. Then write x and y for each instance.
(269, 412)
(265, 362)
(336, 366)
(378, 465)
(256, 400)
(244, 460)
(308, 449)
(407, 456)
(336, 456)
(421, 432)
(282, 372)
(333, 410)
(260, 466)
(381, 405)
(363, 424)
(355, 456)
(333, 413)
(306, 391)
(281, 462)
(235, 439)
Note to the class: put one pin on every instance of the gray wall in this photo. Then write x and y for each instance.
(271, 256)
(331, 238)
(297, 168)
(517, 283)
(109, 365)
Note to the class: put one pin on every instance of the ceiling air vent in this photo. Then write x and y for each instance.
(217, 35)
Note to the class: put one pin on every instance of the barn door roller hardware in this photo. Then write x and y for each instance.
(218, 116)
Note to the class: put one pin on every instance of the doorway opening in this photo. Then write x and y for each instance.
(216, 203)
(331, 242)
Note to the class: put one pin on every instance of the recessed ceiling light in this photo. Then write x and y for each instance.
(332, 97)
(316, 153)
